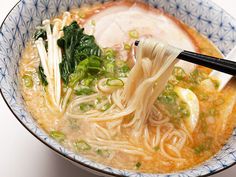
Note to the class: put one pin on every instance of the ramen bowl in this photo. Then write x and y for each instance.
(207, 18)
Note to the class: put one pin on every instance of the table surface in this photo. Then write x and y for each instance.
(22, 155)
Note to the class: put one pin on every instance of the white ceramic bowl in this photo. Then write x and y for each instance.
(203, 15)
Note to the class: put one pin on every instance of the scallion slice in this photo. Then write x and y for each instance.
(28, 81)
(84, 91)
(103, 153)
(81, 145)
(127, 46)
(115, 82)
(106, 107)
(57, 135)
(133, 34)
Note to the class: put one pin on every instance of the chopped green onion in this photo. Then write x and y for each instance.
(204, 146)
(99, 99)
(219, 101)
(169, 87)
(199, 149)
(124, 69)
(85, 107)
(216, 83)
(81, 14)
(183, 110)
(110, 67)
(109, 53)
(212, 112)
(204, 125)
(115, 82)
(156, 148)
(106, 107)
(57, 135)
(178, 111)
(203, 96)
(138, 165)
(168, 98)
(120, 63)
(27, 81)
(179, 73)
(197, 76)
(173, 80)
(103, 153)
(93, 22)
(81, 145)
(175, 108)
(84, 91)
(73, 123)
(134, 34)
(127, 46)
(202, 115)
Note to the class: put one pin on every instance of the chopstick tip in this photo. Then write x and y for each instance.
(136, 43)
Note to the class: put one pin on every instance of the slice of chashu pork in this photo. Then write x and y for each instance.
(121, 23)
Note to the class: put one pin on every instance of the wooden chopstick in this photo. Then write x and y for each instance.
(225, 66)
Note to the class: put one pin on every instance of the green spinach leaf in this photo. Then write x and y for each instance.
(76, 47)
(42, 76)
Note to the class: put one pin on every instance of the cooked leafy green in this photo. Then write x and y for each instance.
(88, 80)
(90, 65)
(109, 54)
(42, 76)
(40, 33)
(77, 47)
(83, 58)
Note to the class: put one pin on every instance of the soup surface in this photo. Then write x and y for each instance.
(75, 109)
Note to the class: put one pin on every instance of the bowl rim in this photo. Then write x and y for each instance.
(95, 169)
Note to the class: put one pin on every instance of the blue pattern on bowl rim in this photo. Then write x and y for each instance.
(203, 15)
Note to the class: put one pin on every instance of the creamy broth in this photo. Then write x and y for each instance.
(213, 128)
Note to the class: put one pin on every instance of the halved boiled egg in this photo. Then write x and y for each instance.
(191, 100)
